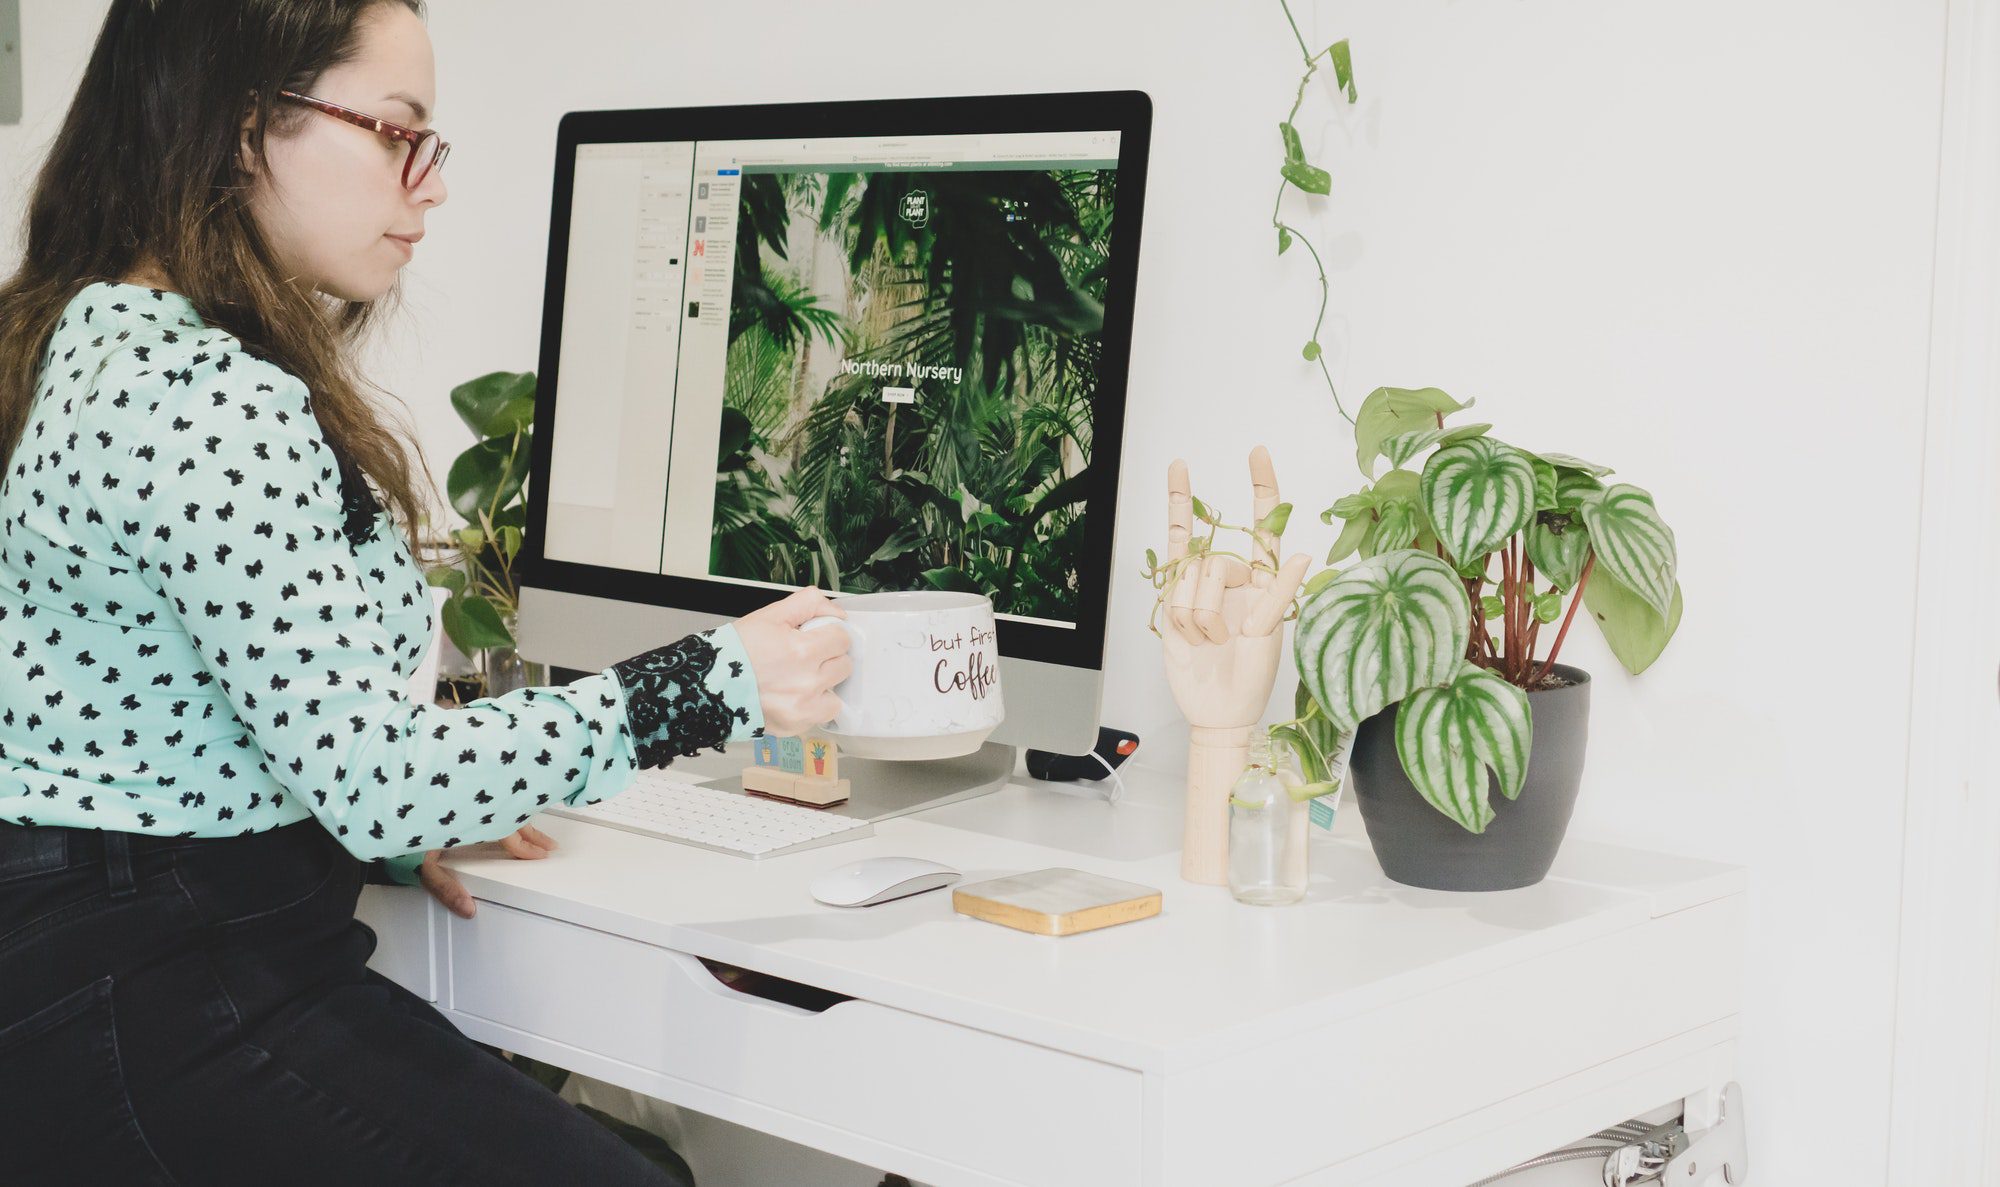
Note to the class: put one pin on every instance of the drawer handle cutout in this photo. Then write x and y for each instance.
(751, 983)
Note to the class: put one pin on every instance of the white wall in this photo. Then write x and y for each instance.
(1692, 241)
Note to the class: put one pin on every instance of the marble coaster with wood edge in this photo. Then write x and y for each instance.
(1056, 901)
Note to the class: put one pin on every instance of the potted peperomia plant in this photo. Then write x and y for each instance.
(1428, 648)
(486, 485)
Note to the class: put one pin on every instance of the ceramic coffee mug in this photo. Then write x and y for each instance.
(926, 680)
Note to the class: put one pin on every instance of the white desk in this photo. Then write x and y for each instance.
(1373, 1034)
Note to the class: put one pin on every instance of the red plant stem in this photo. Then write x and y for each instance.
(1476, 586)
(1576, 599)
(1472, 651)
(1524, 599)
(1528, 620)
(1485, 623)
(1535, 632)
(1516, 627)
(1513, 614)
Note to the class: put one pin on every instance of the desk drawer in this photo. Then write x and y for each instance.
(1016, 1112)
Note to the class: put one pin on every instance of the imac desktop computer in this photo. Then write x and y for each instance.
(860, 346)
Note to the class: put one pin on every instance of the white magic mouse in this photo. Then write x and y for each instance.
(878, 879)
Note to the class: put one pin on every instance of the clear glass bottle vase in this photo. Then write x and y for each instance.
(504, 670)
(1268, 839)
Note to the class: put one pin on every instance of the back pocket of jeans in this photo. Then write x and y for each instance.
(65, 1116)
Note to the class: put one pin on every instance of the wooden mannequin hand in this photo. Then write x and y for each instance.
(1224, 637)
(1224, 634)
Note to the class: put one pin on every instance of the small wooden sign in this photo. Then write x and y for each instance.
(1056, 901)
(803, 770)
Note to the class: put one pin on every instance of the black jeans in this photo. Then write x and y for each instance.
(198, 1011)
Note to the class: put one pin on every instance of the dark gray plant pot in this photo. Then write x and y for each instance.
(1420, 846)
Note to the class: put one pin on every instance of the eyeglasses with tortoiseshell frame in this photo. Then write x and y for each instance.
(427, 149)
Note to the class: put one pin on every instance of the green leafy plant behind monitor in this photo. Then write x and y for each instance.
(487, 486)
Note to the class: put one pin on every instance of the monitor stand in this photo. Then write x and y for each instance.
(879, 789)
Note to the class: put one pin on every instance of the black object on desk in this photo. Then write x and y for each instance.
(1113, 747)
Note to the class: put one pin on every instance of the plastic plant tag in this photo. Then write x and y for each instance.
(1324, 808)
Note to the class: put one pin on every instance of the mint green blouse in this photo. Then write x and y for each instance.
(211, 629)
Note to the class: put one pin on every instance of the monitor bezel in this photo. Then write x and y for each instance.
(1128, 113)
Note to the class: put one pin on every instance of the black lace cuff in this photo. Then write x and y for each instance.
(671, 704)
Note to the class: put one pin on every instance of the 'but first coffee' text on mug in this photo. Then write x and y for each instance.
(926, 680)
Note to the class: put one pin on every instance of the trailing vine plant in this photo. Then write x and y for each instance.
(1309, 735)
(1297, 172)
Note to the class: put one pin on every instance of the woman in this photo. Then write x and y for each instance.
(211, 621)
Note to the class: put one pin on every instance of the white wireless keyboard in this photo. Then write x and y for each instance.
(658, 805)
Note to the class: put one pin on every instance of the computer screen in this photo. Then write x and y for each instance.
(880, 361)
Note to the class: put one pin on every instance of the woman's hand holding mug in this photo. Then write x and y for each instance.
(796, 670)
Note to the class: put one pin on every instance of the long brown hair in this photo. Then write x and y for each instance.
(147, 169)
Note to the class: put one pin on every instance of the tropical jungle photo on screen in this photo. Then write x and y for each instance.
(913, 358)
